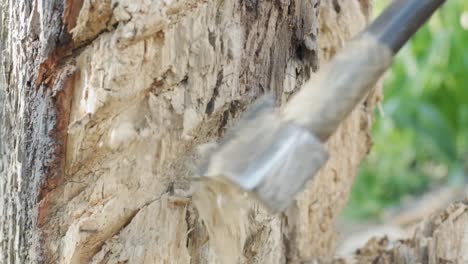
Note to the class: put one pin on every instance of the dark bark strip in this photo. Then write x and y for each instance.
(33, 118)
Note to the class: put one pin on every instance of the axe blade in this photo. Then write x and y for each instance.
(269, 158)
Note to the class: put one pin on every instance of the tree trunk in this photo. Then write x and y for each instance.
(103, 102)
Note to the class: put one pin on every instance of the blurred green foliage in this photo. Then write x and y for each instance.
(422, 139)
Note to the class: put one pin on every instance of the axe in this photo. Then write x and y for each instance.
(271, 152)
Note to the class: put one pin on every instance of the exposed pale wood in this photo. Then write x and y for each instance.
(98, 124)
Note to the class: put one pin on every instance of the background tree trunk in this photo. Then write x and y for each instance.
(103, 102)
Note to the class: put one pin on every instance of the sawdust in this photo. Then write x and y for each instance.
(223, 210)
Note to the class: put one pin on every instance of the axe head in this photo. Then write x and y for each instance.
(266, 156)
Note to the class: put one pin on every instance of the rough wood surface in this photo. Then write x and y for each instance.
(442, 238)
(103, 102)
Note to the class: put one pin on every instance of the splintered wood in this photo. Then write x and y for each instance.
(223, 210)
(441, 238)
(92, 163)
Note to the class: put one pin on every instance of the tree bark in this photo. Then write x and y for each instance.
(103, 102)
